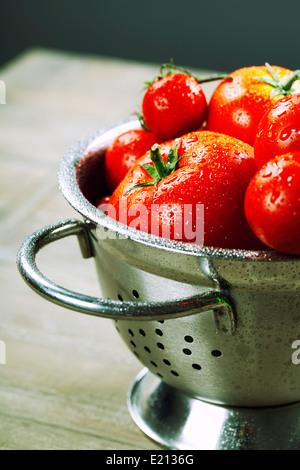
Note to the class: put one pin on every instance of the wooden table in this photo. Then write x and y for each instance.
(65, 381)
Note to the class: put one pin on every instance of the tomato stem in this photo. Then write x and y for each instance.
(170, 67)
(212, 78)
(296, 76)
(160, 166)
(160, 169)
(142, 121)
(273, 72)
(280, 86)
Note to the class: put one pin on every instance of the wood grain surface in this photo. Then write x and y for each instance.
(65, 381)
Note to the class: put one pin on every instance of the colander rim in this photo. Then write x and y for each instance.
(68, 185)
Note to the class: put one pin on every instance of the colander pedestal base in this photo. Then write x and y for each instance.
(176, 421)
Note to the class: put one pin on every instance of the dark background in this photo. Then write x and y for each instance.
(212, 34)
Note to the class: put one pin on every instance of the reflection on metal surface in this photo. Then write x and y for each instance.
(177, 421)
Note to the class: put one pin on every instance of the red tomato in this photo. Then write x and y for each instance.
(239, 102)
(174, 105)
(272, 203)
(102, 203)
(167, 187)
(278, 131)
(124, 152)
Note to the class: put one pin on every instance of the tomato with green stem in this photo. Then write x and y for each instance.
(163, 190)
(174, 103)
(239, 102)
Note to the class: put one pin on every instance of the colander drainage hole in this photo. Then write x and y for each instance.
(187, 351)
(216, 353)
(188, 339)
(135, 294)
(120, 297)
(168, 363)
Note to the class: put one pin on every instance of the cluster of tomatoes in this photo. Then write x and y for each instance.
(238, 155)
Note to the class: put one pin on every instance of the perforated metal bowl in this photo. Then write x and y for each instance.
(215, 324)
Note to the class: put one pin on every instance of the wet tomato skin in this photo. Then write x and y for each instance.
(102, 202)
(215, 173)
(124, 151)
(278, 131)
(272, 203)
(239, 102)
(174, 105)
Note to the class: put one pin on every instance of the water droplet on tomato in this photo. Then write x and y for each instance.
(192, 139)
(280, 109)
(275, 197)
(286, 133)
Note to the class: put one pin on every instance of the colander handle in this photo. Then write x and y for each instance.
(114, 309)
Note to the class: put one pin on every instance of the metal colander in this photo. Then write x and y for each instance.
(216, 325)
